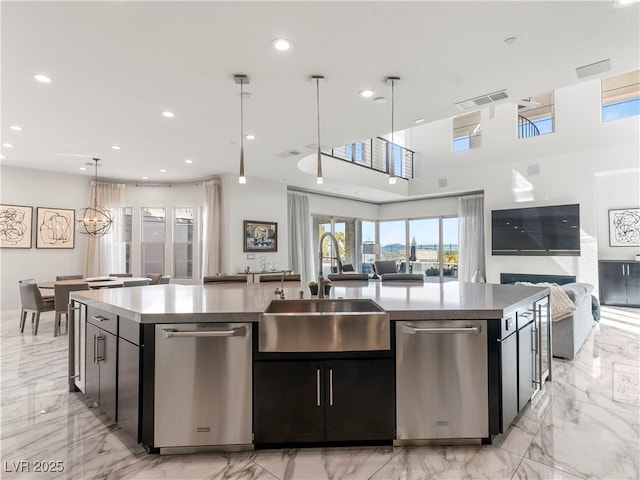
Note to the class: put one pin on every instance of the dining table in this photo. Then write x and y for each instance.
(94, 282)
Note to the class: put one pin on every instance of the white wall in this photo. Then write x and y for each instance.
(40, 189)
(615, 190)
(341, 207)
(584, 161)
(259, 200)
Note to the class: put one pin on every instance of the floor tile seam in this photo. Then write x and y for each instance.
(518, 466)
(556, 468)
(255, 462)
(621, 410)
(394, 455)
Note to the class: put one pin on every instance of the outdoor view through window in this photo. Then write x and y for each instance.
(428, 246)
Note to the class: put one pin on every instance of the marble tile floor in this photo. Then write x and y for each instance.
(583, 425)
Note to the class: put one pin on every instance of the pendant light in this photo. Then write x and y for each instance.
(392, 161)
(242, 80)
(317, 78)
(95, 220)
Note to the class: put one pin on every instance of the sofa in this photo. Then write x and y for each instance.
(569, 333)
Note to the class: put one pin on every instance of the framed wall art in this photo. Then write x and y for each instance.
(260, 236)
(16, 225)
(624, 227)
(55, 228)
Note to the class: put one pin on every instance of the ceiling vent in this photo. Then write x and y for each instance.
(482, 100)
(593, 69)
(289, 153)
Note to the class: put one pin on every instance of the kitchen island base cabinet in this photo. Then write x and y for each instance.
(100, 368)
(313, 401)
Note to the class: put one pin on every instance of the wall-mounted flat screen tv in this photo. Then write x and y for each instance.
(553, 230)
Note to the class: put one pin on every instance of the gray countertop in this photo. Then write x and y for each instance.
(245, 302)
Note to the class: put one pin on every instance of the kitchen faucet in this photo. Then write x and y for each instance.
(337, 257)
(280, 291)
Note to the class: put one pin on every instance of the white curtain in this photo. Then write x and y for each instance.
(212, 213)
(300, 244)
(106, 254)
(471, 236)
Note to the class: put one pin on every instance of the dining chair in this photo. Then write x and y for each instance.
(225, 279)
(381, 267)
(61, 302)
(155, 278)
(136, 283)
(276, 277)
(32, 302)
(69, 277)
(165, 279)
(121, 275)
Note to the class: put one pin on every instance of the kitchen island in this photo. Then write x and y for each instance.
(159, 359)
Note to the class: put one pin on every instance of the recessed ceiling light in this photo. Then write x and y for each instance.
(8, 145)
(418, 120)
(116, 147)
(188, 161)
(16, 128)
(510, 40)
(82, 168)
(250, 137)
(168, 114)
(379, 100)
(145, 178)
(41, 78)
(163, 170)
(281, 44)
(366, 93)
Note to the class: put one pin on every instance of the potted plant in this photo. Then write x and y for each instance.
(313, 287)
(327, 288)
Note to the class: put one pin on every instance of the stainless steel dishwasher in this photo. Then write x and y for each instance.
(441, 380)
(202, 390)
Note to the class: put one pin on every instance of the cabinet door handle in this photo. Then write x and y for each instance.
(101, 339)
(318, 387)
(623, 274)
(627, 269)
(331, 387)
(95, 348)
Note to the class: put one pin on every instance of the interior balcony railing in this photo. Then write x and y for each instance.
(526, 128)
(377, 154)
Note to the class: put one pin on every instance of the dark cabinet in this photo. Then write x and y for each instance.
(526, 361)
(129, 377)
(323, 400)
(508, 373)
(619, 283)
(360, 403)
(288, 403)
(100, 368)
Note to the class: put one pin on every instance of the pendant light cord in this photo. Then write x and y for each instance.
(318, 109)
(242, 113)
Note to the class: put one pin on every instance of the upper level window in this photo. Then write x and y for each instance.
(467, 132)
(536, 115)
(621, 96)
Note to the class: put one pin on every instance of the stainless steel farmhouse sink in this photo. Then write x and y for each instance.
(323, 326)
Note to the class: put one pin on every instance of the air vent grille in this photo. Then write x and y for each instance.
(288, 153)
(482, 100)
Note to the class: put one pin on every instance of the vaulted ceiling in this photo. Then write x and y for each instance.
(116, 66)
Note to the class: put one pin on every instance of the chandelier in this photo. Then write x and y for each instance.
(95, 220)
